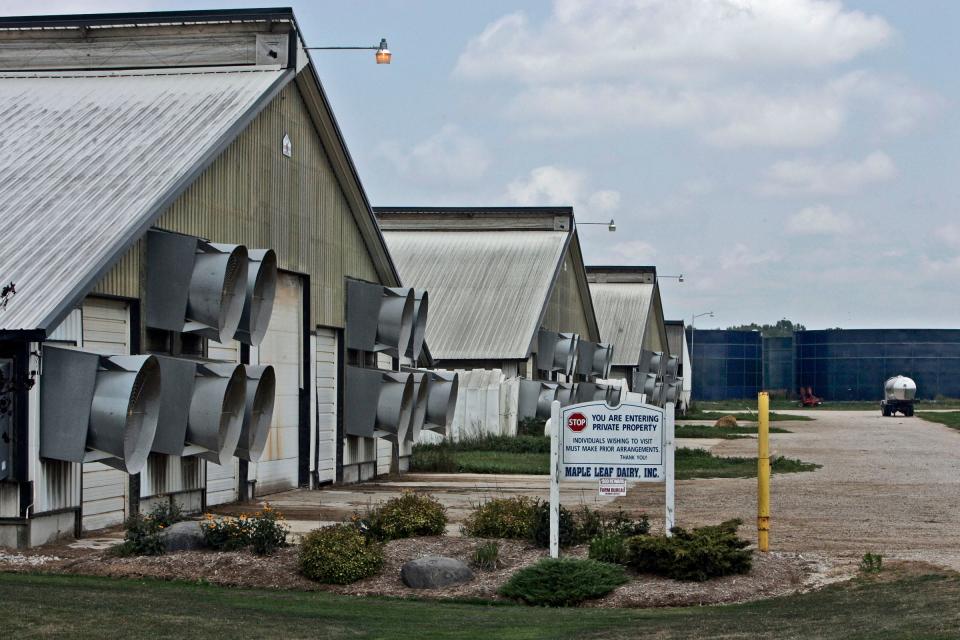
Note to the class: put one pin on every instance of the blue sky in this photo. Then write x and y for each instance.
(792, 158)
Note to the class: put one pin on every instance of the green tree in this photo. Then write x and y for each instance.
(781, 329)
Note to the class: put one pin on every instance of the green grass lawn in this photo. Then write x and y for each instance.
(700, 414)
(691, 463)
(725, 433)
(39, 606)
(948, 418)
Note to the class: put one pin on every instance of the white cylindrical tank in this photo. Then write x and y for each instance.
(900, 388)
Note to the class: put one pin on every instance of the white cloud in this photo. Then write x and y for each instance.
(949, 234)
(630, 252)
(448, 157)
(584, 39)
(809, 177)
(561, 186)
(819, 220)
(741, 256)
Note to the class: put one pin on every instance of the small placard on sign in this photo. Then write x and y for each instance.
(613, 487)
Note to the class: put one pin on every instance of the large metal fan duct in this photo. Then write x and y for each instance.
(377, 403)
(395, 321)
(178, 378)
(216, 411)
(565, 391)
(535, 398)
(586, 352)
(421, 398)
(260, 294)
(125, 409)
(261, 392)
(218, 288)
(556, 351)
(379, 318)
(603, 360)
(441, 401)
(98, 408)
(419, 324)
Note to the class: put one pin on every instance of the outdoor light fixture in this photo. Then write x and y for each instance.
(678, 278)
(383, 54)
(611, 226)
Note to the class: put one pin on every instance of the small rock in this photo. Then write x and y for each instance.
(183, 536)
(433, 572)
(726, 421)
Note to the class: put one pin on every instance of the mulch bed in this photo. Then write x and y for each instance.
(773, 574)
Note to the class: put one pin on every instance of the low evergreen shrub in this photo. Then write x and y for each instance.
(563, 582)
(339, 554)
(698, 554)
(411, 514)
(531, 426)
(540, 526)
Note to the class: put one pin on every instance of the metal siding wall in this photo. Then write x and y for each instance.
(253, 195)
(566, 309)
(727, 365)
(853, 364)
(106, 330)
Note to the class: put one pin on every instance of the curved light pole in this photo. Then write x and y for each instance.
(383, 55)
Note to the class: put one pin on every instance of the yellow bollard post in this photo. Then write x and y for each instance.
(763, 471)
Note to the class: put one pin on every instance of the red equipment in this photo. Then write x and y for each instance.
(807, 399)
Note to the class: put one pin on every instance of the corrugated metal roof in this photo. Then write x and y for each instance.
(622, 309)
(487, 288)
(90, 159)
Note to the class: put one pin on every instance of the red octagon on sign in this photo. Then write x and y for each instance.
(577, 422)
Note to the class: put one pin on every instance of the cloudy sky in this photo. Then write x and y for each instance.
(792, 158)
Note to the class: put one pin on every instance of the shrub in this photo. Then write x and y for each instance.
(268, 531)
(142, 537)
(531, 426)
(620, 524)
(226, 534)
(871, 563)
(486, 556)
(339, 554)
(540, 526)
(265, 531)
(166, 513)
(405, 516)
(500, 518)
(700, 554)
(609, 548)
(563, 582)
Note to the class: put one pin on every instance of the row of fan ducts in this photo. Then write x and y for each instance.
(568, 354)
(656, 376)
(222, 292)
(536, 396)
(397, 405)
(119, 409)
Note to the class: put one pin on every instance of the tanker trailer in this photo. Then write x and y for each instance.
(898, 395)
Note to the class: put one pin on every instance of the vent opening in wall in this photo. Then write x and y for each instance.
(286, 146)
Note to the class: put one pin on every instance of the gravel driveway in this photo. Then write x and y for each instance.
(887, 485)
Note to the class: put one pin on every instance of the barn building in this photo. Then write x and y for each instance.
(184, 223)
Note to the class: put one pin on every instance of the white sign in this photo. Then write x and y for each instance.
(613, 487)
(603, 442)
(612, 444)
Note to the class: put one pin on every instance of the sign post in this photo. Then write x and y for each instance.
(555, 435)
(632, 442)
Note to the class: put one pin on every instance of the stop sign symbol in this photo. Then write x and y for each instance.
(577, 422)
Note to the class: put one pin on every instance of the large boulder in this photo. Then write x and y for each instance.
(434, 572)
(182, 536)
